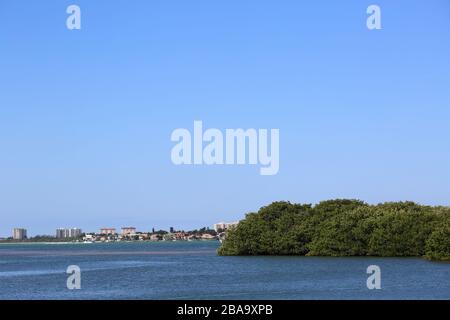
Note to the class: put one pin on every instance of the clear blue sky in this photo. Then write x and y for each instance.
(86, 116)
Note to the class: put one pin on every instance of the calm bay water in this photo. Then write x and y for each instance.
(192, 270)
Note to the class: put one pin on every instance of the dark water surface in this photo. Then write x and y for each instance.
(192, 270)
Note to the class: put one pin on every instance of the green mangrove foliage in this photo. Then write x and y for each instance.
(343, 228)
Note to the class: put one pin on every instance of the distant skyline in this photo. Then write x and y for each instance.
(118, 229)
(86, 115)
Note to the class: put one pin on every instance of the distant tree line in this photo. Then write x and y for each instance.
(343, 228)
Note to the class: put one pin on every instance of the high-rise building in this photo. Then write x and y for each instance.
(63, 233)
(19, 234)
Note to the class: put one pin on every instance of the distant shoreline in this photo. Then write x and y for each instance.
(35, 242)
(99, 242)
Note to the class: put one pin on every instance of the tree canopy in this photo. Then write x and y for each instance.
(343, 227)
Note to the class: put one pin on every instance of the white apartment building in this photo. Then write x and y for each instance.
(62, 233)
(126, 231)
(19, 233)
(222, 226)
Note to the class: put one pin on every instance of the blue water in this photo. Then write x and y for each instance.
(192, 270)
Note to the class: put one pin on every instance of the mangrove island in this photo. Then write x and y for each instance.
(343, 228)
